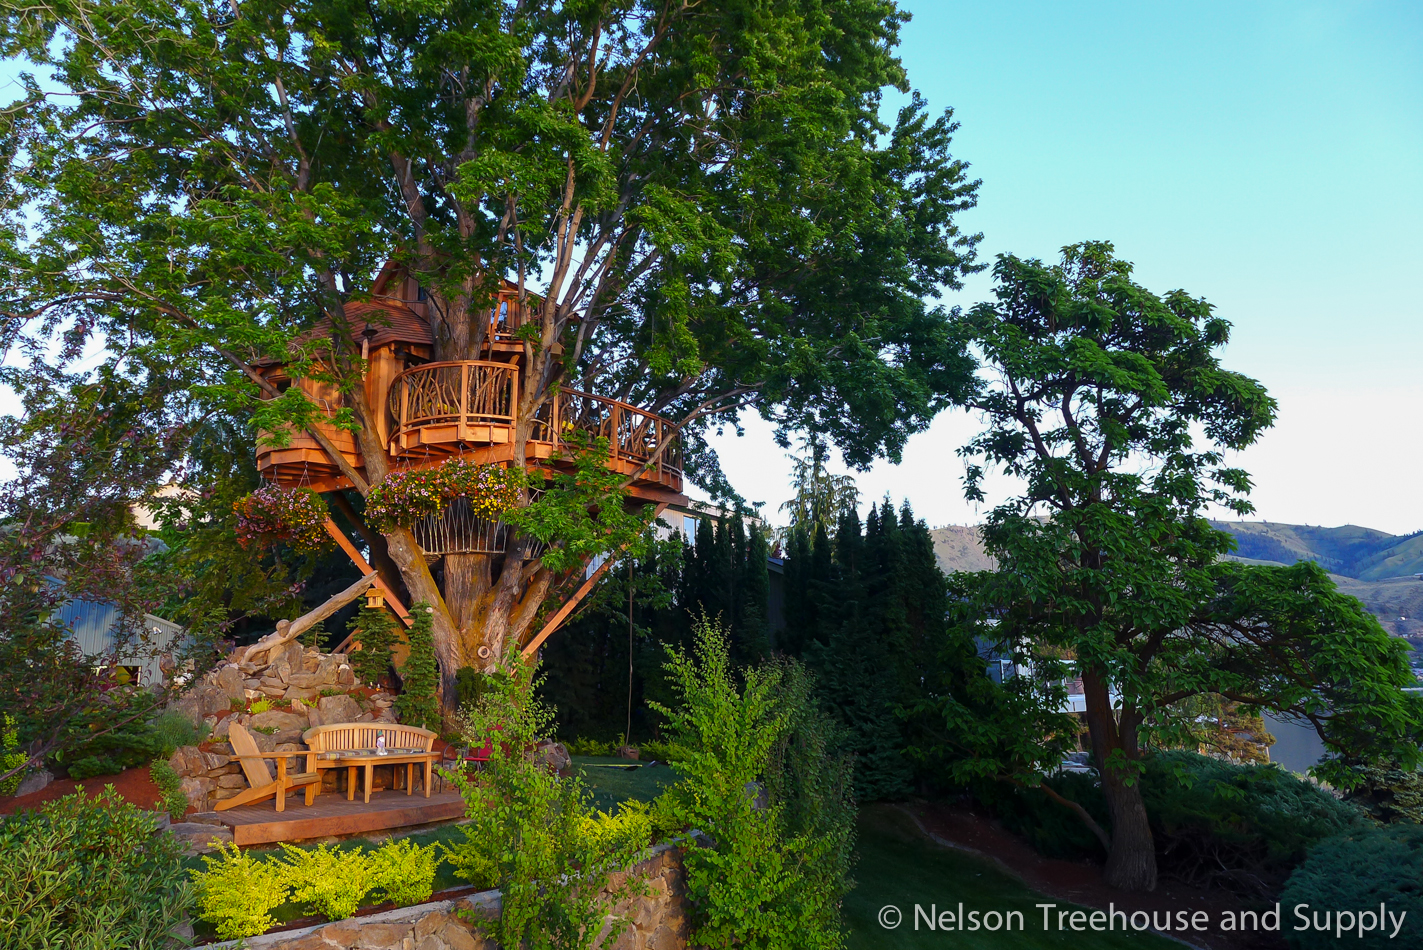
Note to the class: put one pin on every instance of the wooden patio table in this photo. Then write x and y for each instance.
(352, 759)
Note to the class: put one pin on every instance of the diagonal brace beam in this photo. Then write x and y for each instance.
(340, 537)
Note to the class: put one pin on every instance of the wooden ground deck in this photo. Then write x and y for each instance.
(332, 815)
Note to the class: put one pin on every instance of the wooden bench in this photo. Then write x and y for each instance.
(351, 745)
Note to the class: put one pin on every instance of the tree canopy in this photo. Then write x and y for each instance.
(700, 203)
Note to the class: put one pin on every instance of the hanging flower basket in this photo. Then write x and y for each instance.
(273, 514)
(405, 498)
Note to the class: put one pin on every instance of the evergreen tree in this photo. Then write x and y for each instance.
(866, 611)
(854, 662)
(819, 588)
(374, 629)
(798, 608)
(586, 666)
(754, 636)
(418, 704)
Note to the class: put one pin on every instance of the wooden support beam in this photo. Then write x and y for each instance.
(557, 619)
(360, 562)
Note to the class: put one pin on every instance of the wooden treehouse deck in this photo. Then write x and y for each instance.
(331, 815)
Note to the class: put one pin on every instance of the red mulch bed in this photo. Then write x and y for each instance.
(134, 785)
(1081, 881)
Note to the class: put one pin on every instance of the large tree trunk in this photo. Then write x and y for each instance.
(1131, 859)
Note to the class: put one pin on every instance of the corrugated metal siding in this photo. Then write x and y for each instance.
(93, 625)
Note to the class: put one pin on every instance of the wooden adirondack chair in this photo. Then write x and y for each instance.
(259, 774)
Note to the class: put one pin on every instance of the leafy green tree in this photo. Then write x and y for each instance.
(701, 200)
(83, 454)
(1099, 394)
(761, 781)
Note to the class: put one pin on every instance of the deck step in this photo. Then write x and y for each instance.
(331, 816)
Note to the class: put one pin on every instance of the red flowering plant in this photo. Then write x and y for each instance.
(406, 497)
(293, 516)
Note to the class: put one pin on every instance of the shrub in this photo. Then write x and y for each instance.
(471, 684)
(653, 750)
(417, 703)
(405, 871)
(174, 730)
(330, 882)
(170, 783)
(1355, 871)
(1390, 793)
(260, 706)
(131, 745)
(315, 636)
(535, 837)
(1243, 827)
(11, 755)
(760, 781)
(582, 746)
(89, 874)
(238, 892)
(1051, 829)
(374, 628)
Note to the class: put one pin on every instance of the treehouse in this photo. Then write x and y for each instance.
(428, 411)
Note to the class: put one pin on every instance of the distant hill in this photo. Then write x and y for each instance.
(1374, 566)
(959, 547)
(1351, 551)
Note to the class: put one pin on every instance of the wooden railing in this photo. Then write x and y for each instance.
(464, 398)
(633, 435)
(463, 394)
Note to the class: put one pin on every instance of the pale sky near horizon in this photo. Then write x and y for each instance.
(1266, 156)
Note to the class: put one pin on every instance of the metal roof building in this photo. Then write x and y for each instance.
(94, 626)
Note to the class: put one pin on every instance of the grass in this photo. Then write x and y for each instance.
(614, 780)
(897, 866)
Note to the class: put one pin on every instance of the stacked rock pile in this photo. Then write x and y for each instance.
(302, 686)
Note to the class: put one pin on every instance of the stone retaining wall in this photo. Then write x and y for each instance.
(659, 920)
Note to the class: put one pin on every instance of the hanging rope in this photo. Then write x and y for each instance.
(627, 735)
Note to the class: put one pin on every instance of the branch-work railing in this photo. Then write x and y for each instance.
(463, 393)
(469, 395)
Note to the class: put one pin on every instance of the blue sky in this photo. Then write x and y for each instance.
(1266, 156)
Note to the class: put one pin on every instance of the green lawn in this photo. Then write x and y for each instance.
(897, 866)
(615, 780)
